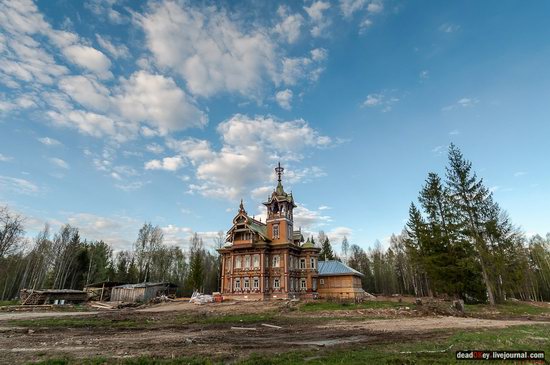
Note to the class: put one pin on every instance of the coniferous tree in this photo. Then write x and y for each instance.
(326, 253)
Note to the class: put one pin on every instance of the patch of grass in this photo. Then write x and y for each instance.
(512, 338)
(4, 303)
(88, 322)
(328, 306)
(225, 318)
(144, 360)
(509, 308)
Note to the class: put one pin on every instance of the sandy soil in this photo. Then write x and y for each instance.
(162, 336)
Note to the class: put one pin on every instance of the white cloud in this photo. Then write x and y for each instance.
(439, 150)
(59, 163)
(89, 58)
(242, 163)
(87, 92)
(372, 100)
(18, 186)
(367, 23)
(105, 11)
(49, 141)
(299, 68)
(461, 103)
(284, 98)
(349, 7)
(449, 28)
(337, 234)
(154, 148)
(157, 101)
(117, 51)
(212, 52)
(167, 163)
(316, 13)
(382, 100)
(454, 132)
(289, 27)
(4, 158)
(375, 7)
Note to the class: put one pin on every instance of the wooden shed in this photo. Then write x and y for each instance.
(101, 290)
(141, 292)
(52, 296)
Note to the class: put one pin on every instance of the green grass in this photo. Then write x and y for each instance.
(328, 306)
(4, 303)
(87, 322)
(509, 308)
(513, 338)
(535, 337)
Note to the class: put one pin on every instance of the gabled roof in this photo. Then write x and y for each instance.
(333, 267)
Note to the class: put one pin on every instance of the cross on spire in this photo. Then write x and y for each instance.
(279, 170)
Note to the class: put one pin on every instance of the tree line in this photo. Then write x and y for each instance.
(457, 243)
(64, 260)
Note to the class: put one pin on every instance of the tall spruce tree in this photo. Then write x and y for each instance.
(326, 251)
(473, 204)
(196, 263)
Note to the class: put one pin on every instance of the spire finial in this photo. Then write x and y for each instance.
(279, 170)
(241, 207)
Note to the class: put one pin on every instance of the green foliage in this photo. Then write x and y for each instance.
(326, 253)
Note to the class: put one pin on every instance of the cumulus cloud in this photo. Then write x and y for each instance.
(449, 28)
(87, 92)
(348, 7)
(239, 166)
(159, 102)
(290, 26)
(284, 98)
(89, 58)
(116, 51)
(154, 148)
(209, 50)
(167, 163)
(316, 12)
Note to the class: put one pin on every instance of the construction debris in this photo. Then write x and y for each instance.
(244, 328)
(52, 296)
(271, 326)
(198, 298)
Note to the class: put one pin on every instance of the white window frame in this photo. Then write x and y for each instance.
(256, 261)
(276, 283)
(322, 281)
(256, 283)
(276, 261)
(246, 283)
(303, 284)
(237, 284)
(302, 263)
(238, 263)
(247, 262)
(276, 230)
(312, 262)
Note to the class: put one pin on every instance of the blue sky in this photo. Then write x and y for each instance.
(113, 113)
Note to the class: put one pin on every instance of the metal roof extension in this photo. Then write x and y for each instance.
(332, 268)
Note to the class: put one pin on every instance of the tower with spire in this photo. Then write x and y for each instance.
(268, 260)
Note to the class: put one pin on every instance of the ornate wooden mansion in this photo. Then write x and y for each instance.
(269, 260)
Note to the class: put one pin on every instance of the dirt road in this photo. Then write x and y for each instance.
(156, 330)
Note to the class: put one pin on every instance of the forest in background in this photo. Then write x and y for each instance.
(457, 243)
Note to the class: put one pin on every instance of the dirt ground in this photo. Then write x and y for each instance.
(163, 335)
